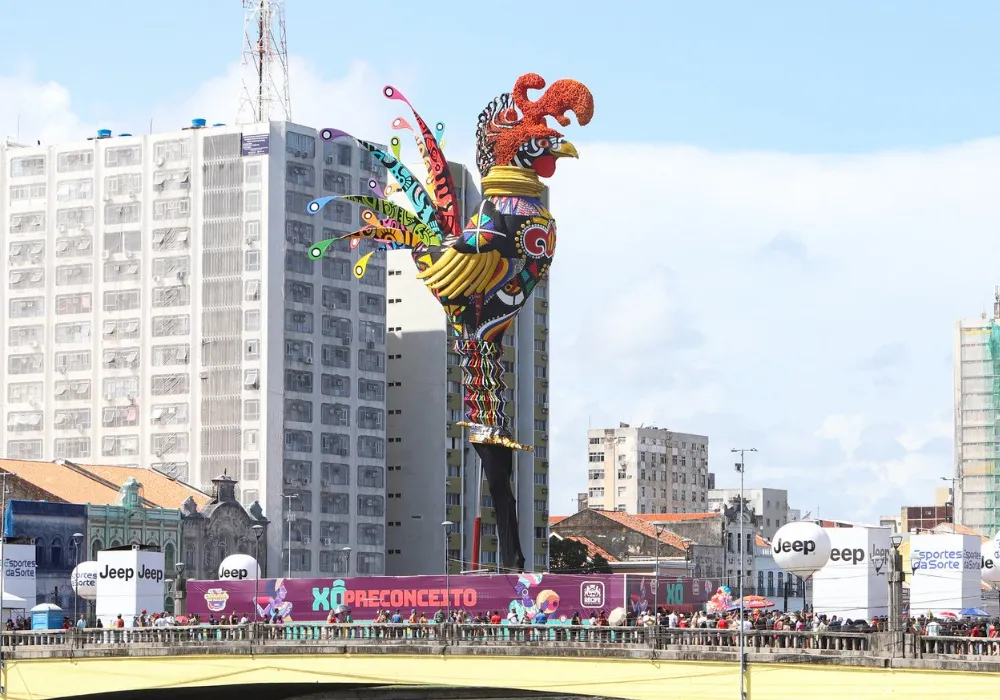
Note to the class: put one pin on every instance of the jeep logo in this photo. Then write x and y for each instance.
(803, 546)
(848, 555)
(234, 574)
(127, 573)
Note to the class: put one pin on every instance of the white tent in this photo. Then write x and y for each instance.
(9, 601)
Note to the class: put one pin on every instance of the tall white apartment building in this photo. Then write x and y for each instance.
(434, 474)
(161, 310)
(647, 470)
(771, 505)
(977, 422)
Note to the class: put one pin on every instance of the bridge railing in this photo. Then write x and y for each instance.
(510, 636)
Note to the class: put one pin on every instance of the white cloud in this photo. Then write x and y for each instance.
(752, 296)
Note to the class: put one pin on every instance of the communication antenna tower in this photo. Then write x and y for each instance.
(265, 62)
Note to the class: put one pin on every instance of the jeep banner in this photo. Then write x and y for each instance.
(538, 598)
(128, 582)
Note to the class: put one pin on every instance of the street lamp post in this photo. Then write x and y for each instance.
(657, 531)
(741, 468)
(258, 530)
(180, 589)
(77, 539)
(347, 560)
(290, 519)
(447, 566)
(895, 593)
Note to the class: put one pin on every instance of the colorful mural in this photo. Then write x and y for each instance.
(483, 274)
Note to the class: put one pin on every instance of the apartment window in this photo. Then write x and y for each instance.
(120, 445)
(371, 361)
(372, 332)
(335, 503)
(29, 222)
(121, 329)
(299, 380)
(165, 326)
(26, 252)
(74, 361)
(72, 448)
(121, 156)
(74, 246)
(298, 262)
(124, 300)
(168, 384)
(370, 390)
(299, 321)
(251, 320)
(371, 418)
(541, 426)
(371, 477)
(251, 470)
(334, 474)
(251, 261)
(120, 358)
(26, 307)
(121, 213)
(371, 447)
(170, 414)
(123, 242)
(251, 379)
(177, 265)
(169, 443)
(371, 506)
(24, 392)
(74, 274)
(171, 151)
(120, 387)
(74, 217)
(371, 534)
(174, 208)
(335, 356)
(336, 298)
(300, 145)
(166, 297)
(24, 449)
(336, 414)
(167, 355)
(299, 292)
(121, 271)
(74, 161)
(24, 421)
(27, 166)
(25, 335)
(300, 174)
(337, 327)
(335, 444)
(165, 239)
(298, 441)
(251, 410)
(120, 416)
(337, 269)
(32, 278)
(299, 351)
(297, 411)
(73, 390)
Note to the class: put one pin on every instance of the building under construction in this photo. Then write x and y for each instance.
(977, 421)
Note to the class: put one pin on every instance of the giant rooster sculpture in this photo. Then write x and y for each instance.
(483, 274)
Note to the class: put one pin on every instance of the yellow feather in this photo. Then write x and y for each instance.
(440, 267)
(490, 264)
(468, 273)
(454, 271)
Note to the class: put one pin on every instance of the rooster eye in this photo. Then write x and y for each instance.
(543, 143)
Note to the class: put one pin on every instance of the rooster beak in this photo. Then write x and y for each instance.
(566, 150)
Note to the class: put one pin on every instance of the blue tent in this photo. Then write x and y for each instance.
(974, 612)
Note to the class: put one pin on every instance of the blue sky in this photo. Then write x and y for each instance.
(808, 189)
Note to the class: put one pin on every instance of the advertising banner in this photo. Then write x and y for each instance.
(671, 593)
(946, 573)
(548, 598)
(854, 584)
(128, 582)
(19, 572)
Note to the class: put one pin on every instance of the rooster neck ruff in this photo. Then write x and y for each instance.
(511, 181)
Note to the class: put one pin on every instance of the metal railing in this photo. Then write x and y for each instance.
(509, 637)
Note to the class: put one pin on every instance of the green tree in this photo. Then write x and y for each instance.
(567, 556)
(599, 565)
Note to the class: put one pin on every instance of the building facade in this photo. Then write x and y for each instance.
(647, 470)
(162, 309)
(433, 472)
(769, 505)
(977, 417)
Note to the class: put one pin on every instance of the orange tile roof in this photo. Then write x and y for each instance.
(639, 525)
(98, 485)
(675, 517)
(959, 530)
(157, 488)
(592, 549)
(555, 519)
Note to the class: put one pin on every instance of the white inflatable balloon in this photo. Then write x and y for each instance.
(239, 567)
(84, 580)
(991, 562)
(801, 548)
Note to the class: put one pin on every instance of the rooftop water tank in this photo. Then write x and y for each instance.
(104, 133)
(124, 134)
(198, 123)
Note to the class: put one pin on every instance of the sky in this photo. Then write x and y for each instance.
(780, 211)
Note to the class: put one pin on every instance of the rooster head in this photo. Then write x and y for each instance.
(513, 130)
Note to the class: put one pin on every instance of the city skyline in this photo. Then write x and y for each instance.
(818, 215)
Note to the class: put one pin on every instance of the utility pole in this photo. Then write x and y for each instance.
(896, 595)
(265, 53)
(741, 468)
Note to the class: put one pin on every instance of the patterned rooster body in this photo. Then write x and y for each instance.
(482, 273)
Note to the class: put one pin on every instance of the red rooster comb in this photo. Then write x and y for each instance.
(502, 131)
